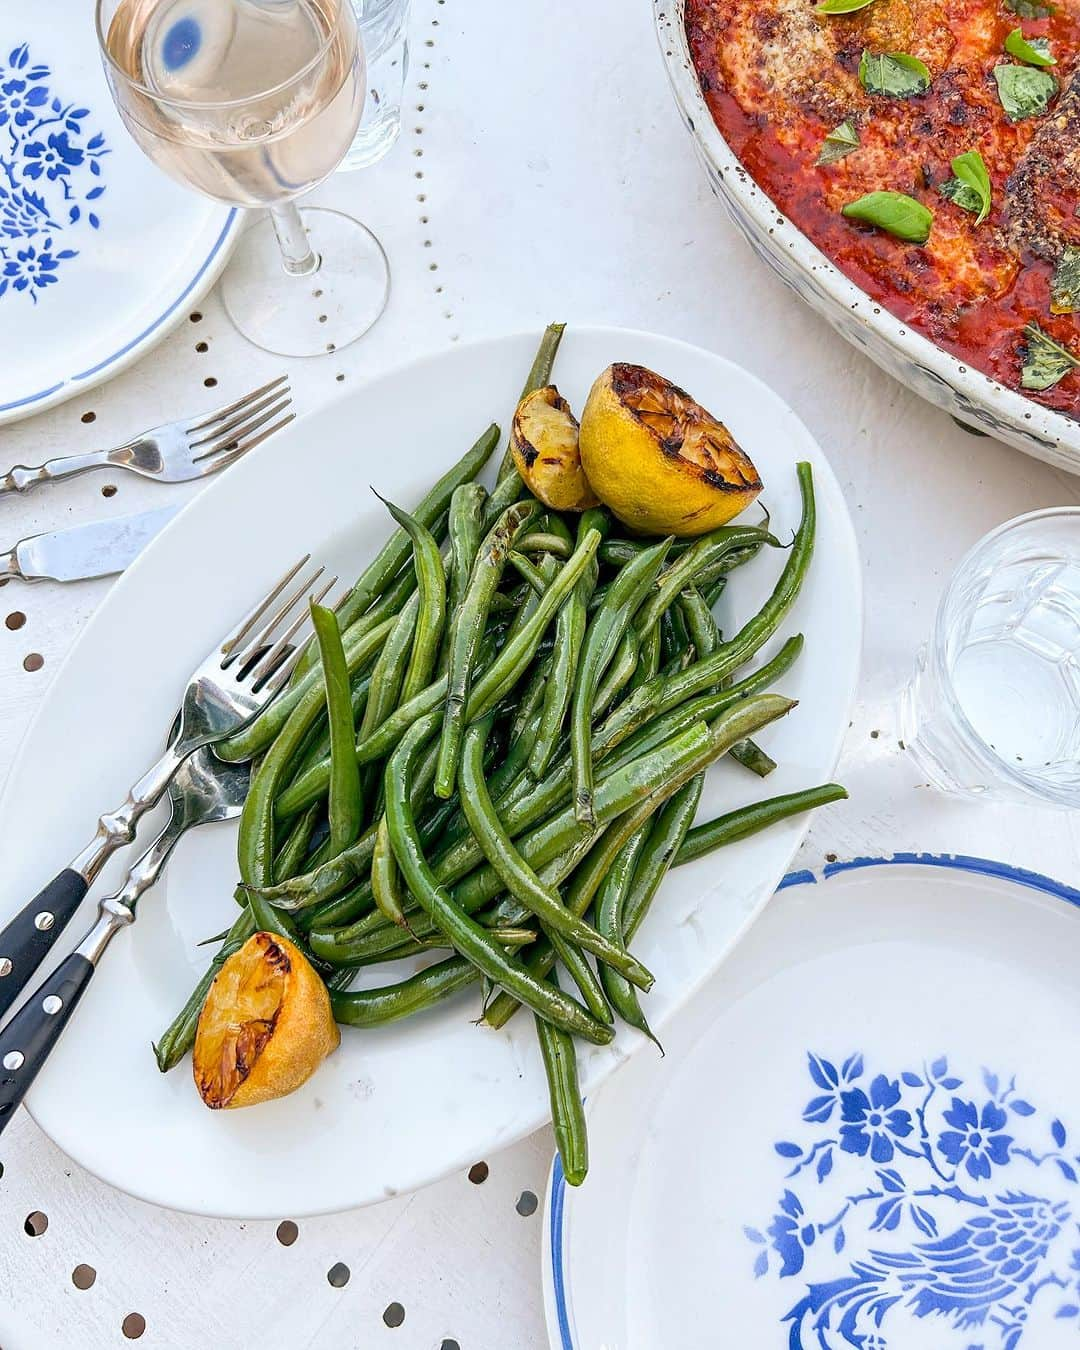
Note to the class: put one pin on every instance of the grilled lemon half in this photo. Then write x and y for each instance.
(265, 1027)
(544, 442)
(658, 459)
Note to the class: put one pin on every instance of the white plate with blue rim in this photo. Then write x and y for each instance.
(100, 253)
(394, 1109)
(865, 1134)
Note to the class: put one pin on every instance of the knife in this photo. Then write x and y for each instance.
(95, 550)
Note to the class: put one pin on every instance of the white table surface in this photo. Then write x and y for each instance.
(542, 174)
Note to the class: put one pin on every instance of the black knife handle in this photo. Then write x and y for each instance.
(30, 935)
(28, 1039)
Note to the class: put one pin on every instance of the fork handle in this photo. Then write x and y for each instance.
(28, 1039)
(21, 478)
(29, 937)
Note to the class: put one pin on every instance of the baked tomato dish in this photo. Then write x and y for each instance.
(931, 149)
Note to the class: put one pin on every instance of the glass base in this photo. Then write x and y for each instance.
(316, 314)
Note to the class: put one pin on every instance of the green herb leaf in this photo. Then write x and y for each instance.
(839, 142)
(1065, 285)
(1031, 9)
(970, 189)
(893, 73)
(841, 6)
(1045, 361)
(1024, 92)
(1035, 51)
(895, 213)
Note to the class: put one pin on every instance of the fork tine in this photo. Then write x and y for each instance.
(218, 437)
(266, 665)
(254, 615)
(222, 461)
(230, 408)
(265, 636)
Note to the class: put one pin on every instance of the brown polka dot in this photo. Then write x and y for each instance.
(340, 379)
(202, 346)
(109, 490)
(133, 1326)
(394, 1315)
(83, 1277)
(210, 382)
(338, 1275)
(526, 1204)
(287, 1232)
(196, 317)
(478, 1173)
(15, 619)
(35, 1224)
(88, 417)
(33, 662)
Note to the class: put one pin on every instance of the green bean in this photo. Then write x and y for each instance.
(466, 632)
(346, 808)
(648, 659)
(529, 572)
(384, 694)
(395, 552)
(291, 855)
(516, 874)
(386, 879)
(619, 673)
(665, 840)
(748, 820)
(673, 635)
(751, 756)
(360, 647)
(539, 375)
(431, 583)
(567, 1112)
(732, 726)
(569, 636)
(379, 1007)
(584, 977)
(686, 569)
(540, 541)
(466, 515)
(468, 937)
(601, 639)
(609, 919)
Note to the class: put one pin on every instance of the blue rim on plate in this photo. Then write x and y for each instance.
(197, 286)
(956, 862)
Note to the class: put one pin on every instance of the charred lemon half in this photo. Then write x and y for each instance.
(544, 442)
(656, 457)
(265, 1027)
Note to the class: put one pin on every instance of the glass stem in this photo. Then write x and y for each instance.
(297, 256)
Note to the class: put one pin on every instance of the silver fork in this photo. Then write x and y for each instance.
(205, 790)
(235, 681)
(176, 452)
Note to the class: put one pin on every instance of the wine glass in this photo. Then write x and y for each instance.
(254, 102)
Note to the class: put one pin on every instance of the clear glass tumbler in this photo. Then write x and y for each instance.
(384, 32)
(994, 707)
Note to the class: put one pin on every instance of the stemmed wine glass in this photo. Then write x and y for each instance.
(254, 102)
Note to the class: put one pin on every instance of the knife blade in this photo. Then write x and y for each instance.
(95, 550)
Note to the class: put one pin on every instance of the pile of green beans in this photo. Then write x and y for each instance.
(495, 749)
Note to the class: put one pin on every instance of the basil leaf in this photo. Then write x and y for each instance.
(893, 73)
(970, 189)
(1024, 92)
(895, 213)
(1065, 284)
(1045, 361)
(1031, 9)
(841, 6)
(1035, 51)
(839, 142)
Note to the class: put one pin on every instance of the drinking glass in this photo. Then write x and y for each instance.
(994, 707)
(384, 35)
(252, 103)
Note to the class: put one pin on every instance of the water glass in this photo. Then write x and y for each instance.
(994, 707)
(384, 32)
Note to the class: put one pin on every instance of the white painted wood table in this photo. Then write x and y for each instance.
(542, 174)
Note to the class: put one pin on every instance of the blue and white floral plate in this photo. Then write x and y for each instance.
(100, 253)
(865, 1134)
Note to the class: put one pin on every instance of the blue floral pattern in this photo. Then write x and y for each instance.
(912, 1194)
(50, 176)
